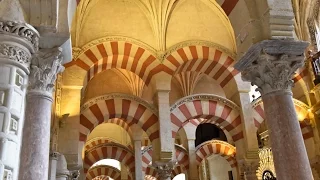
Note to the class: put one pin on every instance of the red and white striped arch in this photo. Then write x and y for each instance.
(100, 141)
(209, 60)
(109, 151)
(131, 109)
(115, 54)
(226, 150)
(151, 174)
(217, 110)
(181, 156)
(102, 172)
(302, 112)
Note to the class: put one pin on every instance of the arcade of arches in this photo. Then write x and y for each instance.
(159, 89)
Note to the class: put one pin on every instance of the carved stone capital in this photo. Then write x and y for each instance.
(54, 155)
(270, 64)
(45, 66)
(164, 169)
(15, 53)
(21, 30)
(249, 168)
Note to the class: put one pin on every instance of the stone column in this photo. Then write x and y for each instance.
(249, 169)
(164, 169)
(138, 159)
(162, 86)
(36, 133)
(193, 169)
(18, 41)
(53, 158)
(270, 65)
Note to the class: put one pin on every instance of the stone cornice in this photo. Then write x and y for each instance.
(45, 66)
(271, 64)
(22, 30)
(205, 97)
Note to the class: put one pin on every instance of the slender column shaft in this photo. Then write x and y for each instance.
(36, 137)
(193, 169)
(36, 133)
(138, 159)
(290, 155)
(53, 165)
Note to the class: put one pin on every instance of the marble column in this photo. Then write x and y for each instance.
(53, 158)
(18, 41)
(164, 169)
(45, 66)
(138, 159)
(270, 65)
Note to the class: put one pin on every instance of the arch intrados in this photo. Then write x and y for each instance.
(103, 140)
(134, 109)
(207, 106)
(195, 123)
(109, 151)
(103, 170)
(226, 150)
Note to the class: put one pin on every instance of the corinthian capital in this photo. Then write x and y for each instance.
(45, 66)
(271, 64)
(164, 169)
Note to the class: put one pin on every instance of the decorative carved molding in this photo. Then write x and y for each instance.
(270, 64)
(45, 66)
(164, 169)
(22, 30)
(92, 101)
(54, 155)
(205, 97)
(15, 53)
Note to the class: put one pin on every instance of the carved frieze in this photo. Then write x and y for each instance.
(22, 30)
(271, 64)
(15, 53)
(204, 97)
(45, 66)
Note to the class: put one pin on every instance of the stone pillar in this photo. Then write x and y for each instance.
(249, 169)
(193, 169)
(164, 169)
(270, 65)
(53, 158)
(36, 133)
(124, 172)
(138, 159)
(162, 85)
(18, 41)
